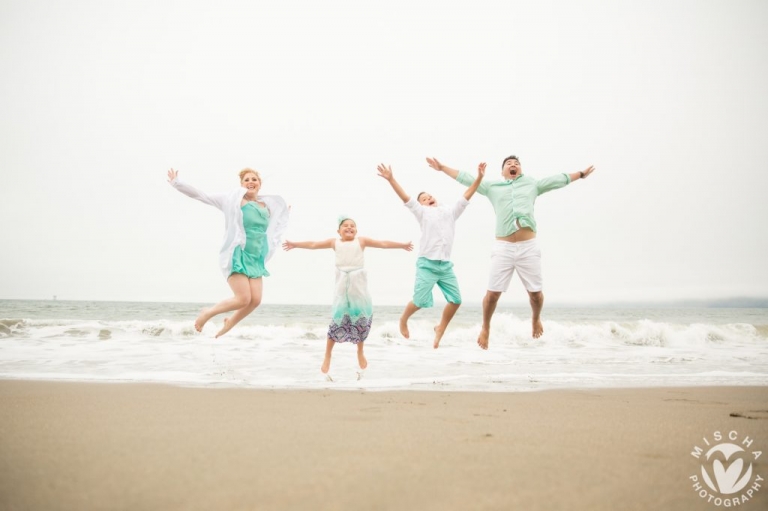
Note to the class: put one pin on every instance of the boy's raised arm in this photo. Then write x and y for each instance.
(476, 183)
(385, 171)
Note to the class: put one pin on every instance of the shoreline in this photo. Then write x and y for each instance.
(102, 445)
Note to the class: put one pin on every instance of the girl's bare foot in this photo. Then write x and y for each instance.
(538, 328)
(482, 339)
(361, 359)
(224, 329)
(326, 365)
(202, 319)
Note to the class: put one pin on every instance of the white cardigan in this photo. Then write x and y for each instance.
(234, 235)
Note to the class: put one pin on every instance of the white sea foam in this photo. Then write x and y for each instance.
(285, 352)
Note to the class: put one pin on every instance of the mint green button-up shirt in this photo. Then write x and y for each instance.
(513, 199)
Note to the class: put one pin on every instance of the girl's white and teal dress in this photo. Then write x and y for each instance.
(352, 306)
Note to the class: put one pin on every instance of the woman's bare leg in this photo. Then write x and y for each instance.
(238, 283)
(257, 286)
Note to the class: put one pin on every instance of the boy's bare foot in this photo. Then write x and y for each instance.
(201, 320)
(361, 360)
(404, 327)
(538, 328)
(482, 339)
(224, 329)
(439, 330)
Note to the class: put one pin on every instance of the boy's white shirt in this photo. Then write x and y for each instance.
(438, 225)
(234, 232)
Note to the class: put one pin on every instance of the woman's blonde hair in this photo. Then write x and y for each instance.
(249, 171)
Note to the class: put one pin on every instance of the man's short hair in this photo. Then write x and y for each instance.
(512, 157)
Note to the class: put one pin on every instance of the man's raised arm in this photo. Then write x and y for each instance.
(442, 168)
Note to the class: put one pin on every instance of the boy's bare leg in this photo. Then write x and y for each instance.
(448, 312)
(489, 307)
(327, 361)
(410, 309)
(537, 303)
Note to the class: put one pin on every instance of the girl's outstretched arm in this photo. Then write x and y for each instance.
(311, 245)
(368, 242)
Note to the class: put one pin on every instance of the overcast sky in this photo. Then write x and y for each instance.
(666, 98)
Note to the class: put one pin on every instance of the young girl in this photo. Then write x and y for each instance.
(352, 306)
(254, 225)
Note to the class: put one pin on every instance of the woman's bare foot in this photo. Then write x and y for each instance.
(538, 328)
(404, 327)
(224, 329)
(482, 339)
(439, 330)
(202, 319)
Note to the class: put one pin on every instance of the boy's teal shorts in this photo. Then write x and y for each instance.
(430, 272)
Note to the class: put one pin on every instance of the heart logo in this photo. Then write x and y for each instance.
(728, 481)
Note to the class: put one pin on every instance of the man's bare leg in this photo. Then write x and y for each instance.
(448, 312)
(327, 361)
(410, 309)
(489, 307)
(537, 303)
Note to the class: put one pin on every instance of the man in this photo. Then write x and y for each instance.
(433, 266)
(516, 247)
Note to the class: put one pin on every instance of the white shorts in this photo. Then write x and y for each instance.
(523, 256)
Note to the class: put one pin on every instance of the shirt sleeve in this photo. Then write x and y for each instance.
(215, 199)
(459, 207)
(550, 183)
(467, 179)
(415, 208)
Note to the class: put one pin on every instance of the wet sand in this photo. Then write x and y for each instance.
(80, 446)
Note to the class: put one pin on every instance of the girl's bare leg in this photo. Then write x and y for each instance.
(448, 312)
(410, 309)
(361, 356)
(257, 286)
(327, 361)
(238, 283)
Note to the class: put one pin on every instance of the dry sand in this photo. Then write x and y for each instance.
(82, 446)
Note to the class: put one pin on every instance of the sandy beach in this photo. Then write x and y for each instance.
(85, 446)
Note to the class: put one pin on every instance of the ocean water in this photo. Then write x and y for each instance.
(282, 346)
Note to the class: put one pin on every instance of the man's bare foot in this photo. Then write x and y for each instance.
(201, 320)
(482, 339)
(439, 330)
(404, 327)
(538, 328)
(361, 360)
(326, 365)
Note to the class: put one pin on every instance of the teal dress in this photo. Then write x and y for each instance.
(250, 261)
